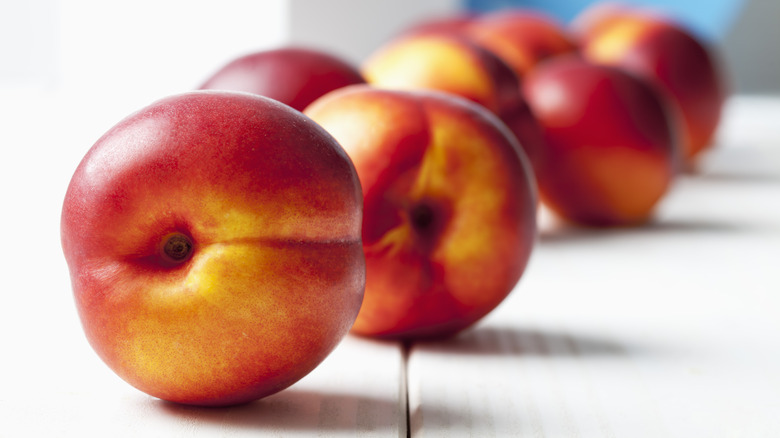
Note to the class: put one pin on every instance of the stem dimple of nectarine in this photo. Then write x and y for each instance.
(177, 247)
(422, 216)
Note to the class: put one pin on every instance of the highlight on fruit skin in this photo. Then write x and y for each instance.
(449, 207)
(213, 241)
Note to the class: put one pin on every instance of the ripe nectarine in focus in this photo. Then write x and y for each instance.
(213, 243)
(449, 207)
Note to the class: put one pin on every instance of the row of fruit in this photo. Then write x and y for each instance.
(222, 242)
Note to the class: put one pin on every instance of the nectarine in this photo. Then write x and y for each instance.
(213, 241)
(449, 207)
(672, 58)
(610, 139)
(521, 37)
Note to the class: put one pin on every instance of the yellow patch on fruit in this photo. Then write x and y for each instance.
(431, 63)
(175, 334)
(393, 241)
(611, 44)
(631, 180)
(227, 220)
(433, 176)
(518, 59)
(479, 199)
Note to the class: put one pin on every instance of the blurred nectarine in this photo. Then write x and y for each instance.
(610, 141)
(295, 76)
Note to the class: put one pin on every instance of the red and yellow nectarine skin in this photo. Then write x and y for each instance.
(443, 62)
(610, 141)
(455, 64)
(520, 37)
(295, 76)
(672, 58)
(213, 242)
(449, 207)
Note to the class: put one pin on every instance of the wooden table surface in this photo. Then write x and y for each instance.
(668, 330)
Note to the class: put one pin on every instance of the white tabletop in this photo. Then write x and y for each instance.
(662, 331)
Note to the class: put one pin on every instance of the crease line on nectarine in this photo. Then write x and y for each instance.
(214, 246)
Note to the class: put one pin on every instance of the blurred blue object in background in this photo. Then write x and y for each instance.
(710, 19)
